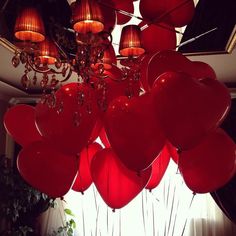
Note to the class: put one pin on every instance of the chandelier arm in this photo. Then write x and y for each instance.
(35, 68)
(68, 75)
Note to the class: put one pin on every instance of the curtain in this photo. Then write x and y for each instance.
(52, 219)
(171, 209)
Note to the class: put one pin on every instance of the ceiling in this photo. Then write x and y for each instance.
(216, 49)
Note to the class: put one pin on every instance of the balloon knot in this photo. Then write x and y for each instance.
(179, 150)
(113, 210)
(82, 192)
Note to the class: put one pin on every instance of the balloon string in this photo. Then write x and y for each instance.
(185, 223)
(113, 224)
(120, 223)
(107, 221)
(177, 207)
(153, 220)
(166, 195)
(195, 38)
(83, 216)
(144, 222)
(171, 211)
(95, 198)
(97, 221)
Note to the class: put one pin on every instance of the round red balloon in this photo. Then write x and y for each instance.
(69, 124)
(47, 169)
(210, 165)
(133, 131)
(189, 109)
(126, 6)
(166, 37)
(177, 13)
(83, 179)
(109, 15)
(19, 122)
(116, 184)
(159, 167)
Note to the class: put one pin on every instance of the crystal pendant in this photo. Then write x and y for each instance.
(23, 57)
(15, 61)
(25, 81)
(35, 79)
(58, 63)
(76, 119)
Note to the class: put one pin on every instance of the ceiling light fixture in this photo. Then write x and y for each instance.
(94, 53)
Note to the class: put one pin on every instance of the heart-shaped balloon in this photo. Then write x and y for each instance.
(69, 123)
(157, 63)
(133, 131)
(187, 108)
(103, 137)
(173, 151)
(112, 86)
(211, 164)
(159, 167)
(83, 179)
(19, 122)
(47, 169)
(96, 131)
(116, 184)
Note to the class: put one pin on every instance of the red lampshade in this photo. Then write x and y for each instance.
(130, 41)
(29, 25)
(87, 17)
(48, 52)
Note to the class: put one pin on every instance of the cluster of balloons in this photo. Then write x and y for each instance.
(177, 116)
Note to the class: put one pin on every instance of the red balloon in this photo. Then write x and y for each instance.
(173, 152)
(155, 64)
(113, 86)
(133, 131)
(210, 165)
(189, 109)
(199, 70)
(19, 122)
(69, 124)
(126, 6)
(96, 131)
(166, 37)
(109, 14)
(47, 169)
(116, 184)
(159, 167)
(173, 12)
(84, 179)
(104, 138)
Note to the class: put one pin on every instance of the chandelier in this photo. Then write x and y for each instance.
(143, 103)
(93, 54)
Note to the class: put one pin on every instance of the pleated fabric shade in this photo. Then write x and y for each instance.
(48, 52)
(29, 25)
(87, 17)
(130, 41)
